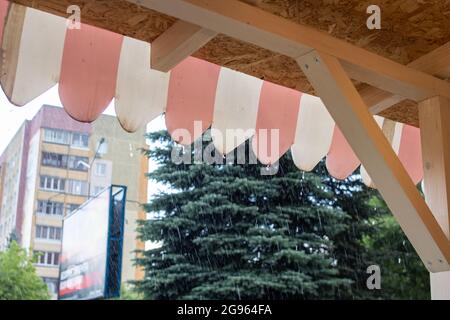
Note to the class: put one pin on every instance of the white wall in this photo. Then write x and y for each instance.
(30, 190)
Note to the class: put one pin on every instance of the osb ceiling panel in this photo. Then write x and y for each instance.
(410, 29)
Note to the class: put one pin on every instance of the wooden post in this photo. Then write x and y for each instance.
(434, 116)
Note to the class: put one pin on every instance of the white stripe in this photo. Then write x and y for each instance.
(40, 55)
(397, 137)
(235, 109)
(141, 93)
(314, 133)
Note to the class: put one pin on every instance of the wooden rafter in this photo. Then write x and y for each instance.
(251, 24)
(177, 43)
(436, 63)
(378, 100)
(346, 106)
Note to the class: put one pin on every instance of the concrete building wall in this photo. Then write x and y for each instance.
(30, 192)
(123, 152)
(11, 163)
(101, 175)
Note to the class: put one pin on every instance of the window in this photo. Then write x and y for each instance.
(52, 183)
(54, 160)
(41, 232)
(72, 207)
(52, 285)
(102, 148)
(78, 163)
(100, 169)
(46, 258)
(75, 139)
(64, 162)
(55, 258)
(80, 140)
(52, 233)
(48, 233)
(50, 207)
(56, 136)
(77, 187)
(98, 189)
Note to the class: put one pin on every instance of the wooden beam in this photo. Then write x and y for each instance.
(434, 116)
(436, 63)
(251, 24)
(346, 106)
(378, 100)
(177, 43)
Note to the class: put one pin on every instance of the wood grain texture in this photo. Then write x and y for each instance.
(435, 133)
(178, 43)
(263, 29)
(437, 63)
(410, 29)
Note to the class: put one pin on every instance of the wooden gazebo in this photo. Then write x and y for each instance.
(368, 80)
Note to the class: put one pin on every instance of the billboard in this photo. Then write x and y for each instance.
(91, 257)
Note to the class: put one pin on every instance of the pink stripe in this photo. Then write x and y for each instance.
(89, 71)
(278, 112)
(410, 153)
(341, 160)
(191, 98)
(4, 6)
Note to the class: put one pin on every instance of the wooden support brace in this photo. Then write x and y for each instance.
(177, 43)
(346, 106)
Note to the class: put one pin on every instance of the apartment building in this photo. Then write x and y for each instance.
(52, 166)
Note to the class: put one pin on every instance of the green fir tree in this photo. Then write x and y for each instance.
(231, 232)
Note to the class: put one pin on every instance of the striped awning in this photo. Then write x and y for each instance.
(92, 66)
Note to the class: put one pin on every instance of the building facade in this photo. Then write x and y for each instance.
(51, 167)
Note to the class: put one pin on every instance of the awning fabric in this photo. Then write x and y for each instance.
(93, 66)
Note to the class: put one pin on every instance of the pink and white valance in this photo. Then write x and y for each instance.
(94, 66)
